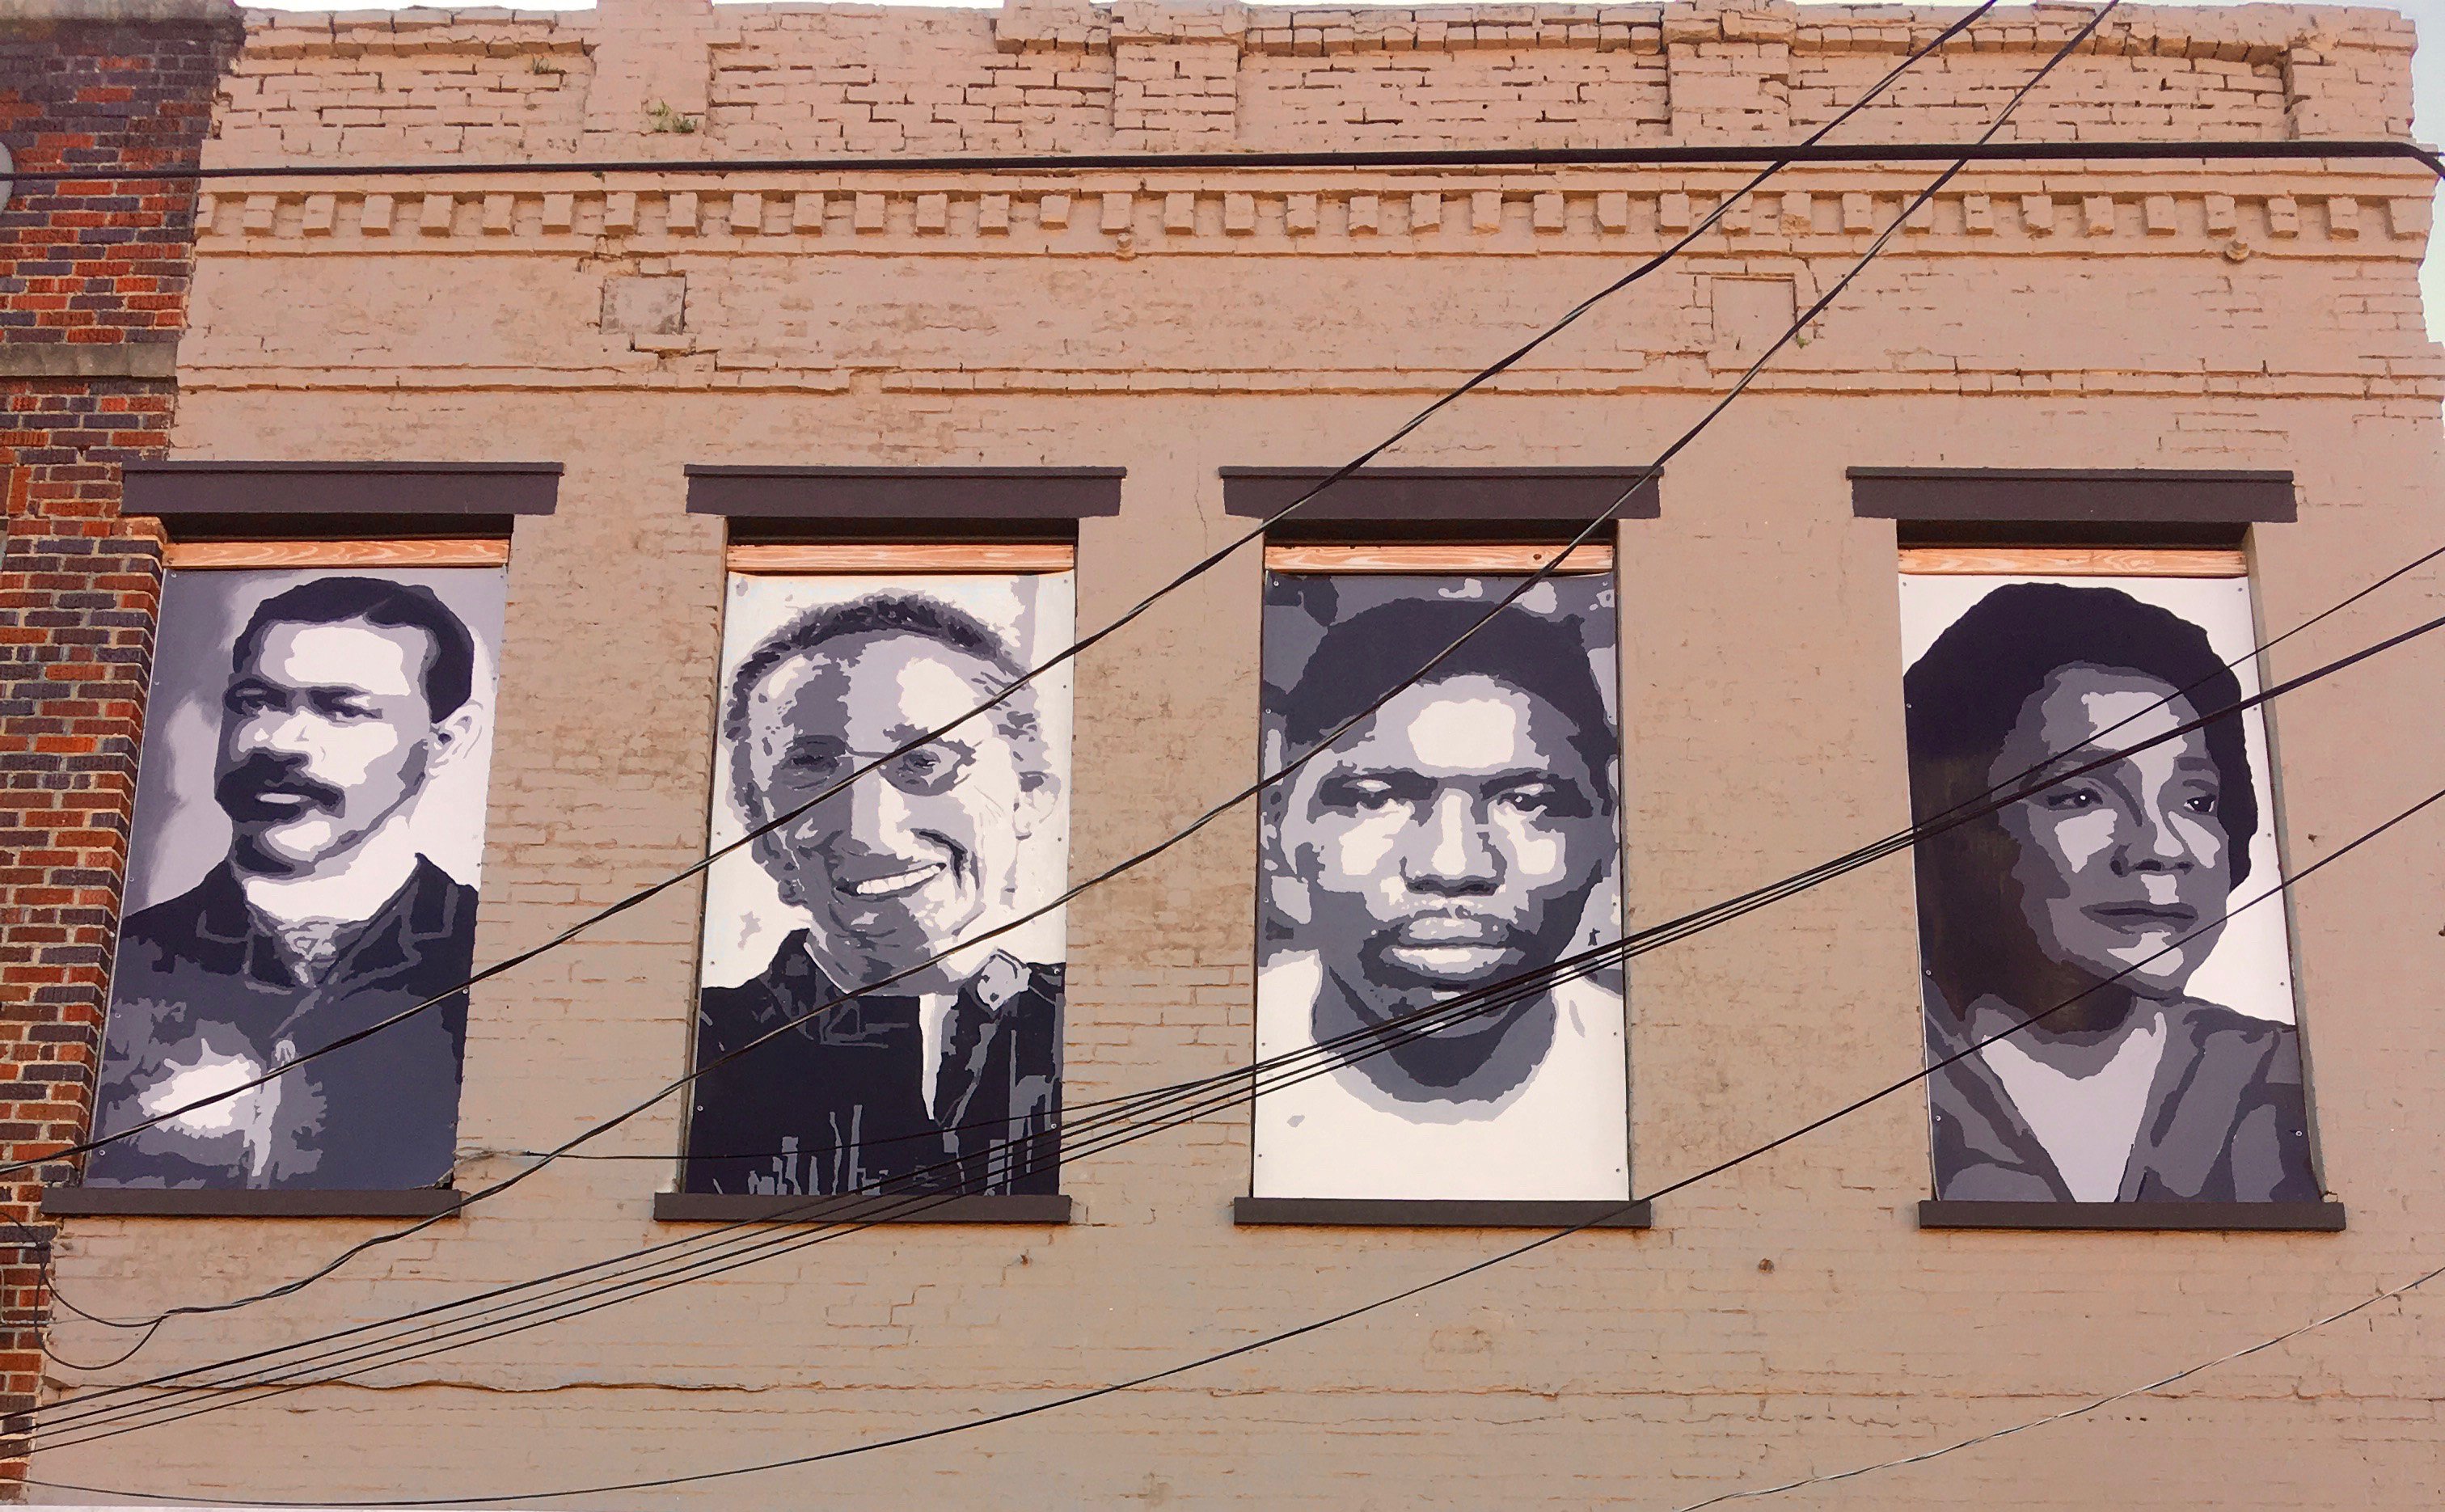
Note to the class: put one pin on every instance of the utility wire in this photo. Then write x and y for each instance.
(1749, 375)
(1686, 243)
(1196, 569)
(1423, 1021)
(2035, 779)
(2351, 150)
(1462, 1006)
(1919, 832)
(1921, 1074)
(2283, 886)
(2388, 1294)
(1128, 864)
(1524, 587)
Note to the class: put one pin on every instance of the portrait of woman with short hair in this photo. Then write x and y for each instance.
(2159, 1061)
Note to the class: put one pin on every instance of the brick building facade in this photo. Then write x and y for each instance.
(94, 274)
(2097, 316)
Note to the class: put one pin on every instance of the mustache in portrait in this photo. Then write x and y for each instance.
(249, 789)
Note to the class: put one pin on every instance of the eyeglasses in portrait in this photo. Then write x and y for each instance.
(1462, 838)
(905, 1053)
(2167, 1064)
(308, 826)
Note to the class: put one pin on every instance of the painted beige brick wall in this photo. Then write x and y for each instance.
(1173, 323)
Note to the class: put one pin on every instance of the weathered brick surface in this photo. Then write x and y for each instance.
(405, 86)
(1044, 77)
(98, 264)
(1174, 323)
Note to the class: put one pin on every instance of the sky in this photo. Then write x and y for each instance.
(2428, 71)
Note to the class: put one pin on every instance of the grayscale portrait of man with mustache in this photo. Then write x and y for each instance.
(2090, 905)
(1452, 846)
(902, 1061)
(345, 698)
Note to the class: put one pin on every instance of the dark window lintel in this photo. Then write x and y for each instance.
(250, 489)
(1505, 500)
(945, 494)
(2038, 497)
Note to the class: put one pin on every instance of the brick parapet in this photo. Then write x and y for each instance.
(94, 273)
(679, 78)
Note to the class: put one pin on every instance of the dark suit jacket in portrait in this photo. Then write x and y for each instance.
(2227, 1120)
(203, 998)
(834, 1105)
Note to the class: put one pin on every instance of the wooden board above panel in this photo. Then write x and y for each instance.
(2074, 561)
(192, 556)
(884, 556)
(1433, 558)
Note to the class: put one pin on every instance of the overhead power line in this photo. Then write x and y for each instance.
(1940, 182)
(2283, 886)
(1239, 1085)
(1200, 823)
(1196, 569)
(1728, 399)
(1690, 435)
(1779, 154)
(2355, 596)
(2390, 1294)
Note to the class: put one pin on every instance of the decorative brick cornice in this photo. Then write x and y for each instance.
(2375, 214)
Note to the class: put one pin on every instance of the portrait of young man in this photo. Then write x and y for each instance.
(2160, 1061)
(854, 1033)
(1452, 846)
(308, 824)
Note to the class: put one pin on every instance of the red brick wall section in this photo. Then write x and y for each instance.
(93, 287)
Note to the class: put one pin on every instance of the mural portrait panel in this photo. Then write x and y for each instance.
(2174, 1073)
(1465, 834)
(945, 1075)
(308, 824)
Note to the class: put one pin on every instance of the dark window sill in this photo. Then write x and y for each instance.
(2313, 1217)
(1413, 1213)
(153, 1202)
(915, 1207)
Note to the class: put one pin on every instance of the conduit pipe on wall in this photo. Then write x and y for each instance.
(1667, 157)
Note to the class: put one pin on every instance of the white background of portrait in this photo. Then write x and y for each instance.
(2250, 969)
(1564, 1134)
(745, 920)
(179, 833)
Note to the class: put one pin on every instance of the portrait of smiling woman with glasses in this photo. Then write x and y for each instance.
(2094, 904)
(944, 1072)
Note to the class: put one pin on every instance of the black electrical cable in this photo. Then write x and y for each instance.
(2245, 906)
(1456, 1009)
(1703, 422)
(2283, 886)
(98, 1425)
(1730, 201)
(1196, 569)
(2015, 789)
(1573, 315)
(1452, 1010)
(1747, 377)
(2352, 150)
(2251, 655)
(2389, 1294)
